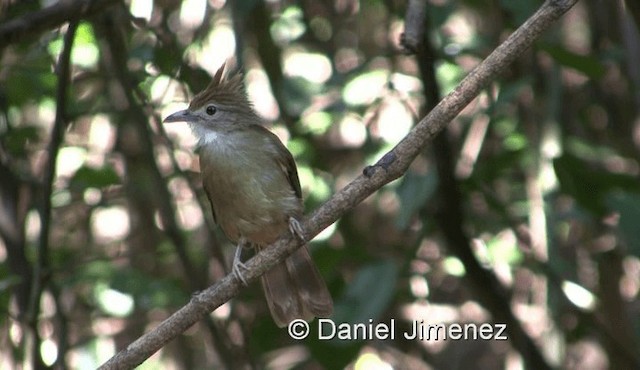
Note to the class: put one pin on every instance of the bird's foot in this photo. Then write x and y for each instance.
(296, 228)
(238, 267)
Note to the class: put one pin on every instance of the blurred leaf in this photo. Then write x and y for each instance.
(289, 26)
(501, 163)
(332, 356)
(297, 93)
(90, 274)
(328, 260)
(167, 60)
(316, 123)
(589, 186)
(16, 139)
(368, 295)
(627, 205)
(149, 291)
(521, 9)
(365, 88)
(244, 8)
(505, 250)
(17, 8)
(112, 302)
(453, 266)
(7, 282)
(88, 177)
(587, 64)
(85, 51)
(504, 126)
(509, 92)
(85, 34)
(588, 151)
(31, 80)
(414, 191)
(143, 52)
(314, 185)
(515, 142)
(449, 76)
(439, 12)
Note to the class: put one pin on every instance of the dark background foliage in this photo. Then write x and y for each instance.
(525, 210)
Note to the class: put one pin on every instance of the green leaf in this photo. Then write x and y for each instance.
(509, 93)
(85, 34)
(88, 177)
(149, 291)
(365, 88)
(368, 295)
(520, 9)
(85, 51)
(16, 140)
(587, 64)
(289, 26)
(414, 190)
(332, 356)
(627, 205)
(167, 60)
(449, 76)
(589, 186)
(7, 284)
(298, 93)
(31, 80)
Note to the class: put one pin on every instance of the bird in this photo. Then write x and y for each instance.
(251, 181)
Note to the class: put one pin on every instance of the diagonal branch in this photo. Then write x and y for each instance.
(388, 168)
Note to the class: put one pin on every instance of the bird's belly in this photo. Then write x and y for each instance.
(257, 222)
(251, 207)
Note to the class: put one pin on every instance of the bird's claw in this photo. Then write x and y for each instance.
(296, 228)
(238, 267)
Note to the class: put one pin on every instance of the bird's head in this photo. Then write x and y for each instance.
(220, 108)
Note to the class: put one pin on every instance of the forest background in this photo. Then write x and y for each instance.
(524, 210)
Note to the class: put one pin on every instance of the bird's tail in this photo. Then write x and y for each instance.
(295, 290)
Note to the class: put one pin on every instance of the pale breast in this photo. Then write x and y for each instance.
(250, 194)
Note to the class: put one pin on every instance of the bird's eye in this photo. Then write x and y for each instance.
(211, 110)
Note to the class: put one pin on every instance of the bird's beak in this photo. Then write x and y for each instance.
(180, 116)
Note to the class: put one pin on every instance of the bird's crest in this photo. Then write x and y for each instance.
(224, 91)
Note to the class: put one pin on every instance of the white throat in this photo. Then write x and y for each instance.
(206, 136)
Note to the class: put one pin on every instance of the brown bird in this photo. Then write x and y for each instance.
(252, 183)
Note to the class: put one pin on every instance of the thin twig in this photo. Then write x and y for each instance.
(390, 167)
(57, 135)
(414, 21)
(141, 155)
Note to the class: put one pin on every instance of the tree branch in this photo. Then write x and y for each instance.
(145, 179)
(387, 169)
(414, 21)
(33, 24)
(41, 265)
(450, 216)
(634, 10)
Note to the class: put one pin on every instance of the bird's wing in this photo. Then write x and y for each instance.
(207, 190)
(284, 159)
